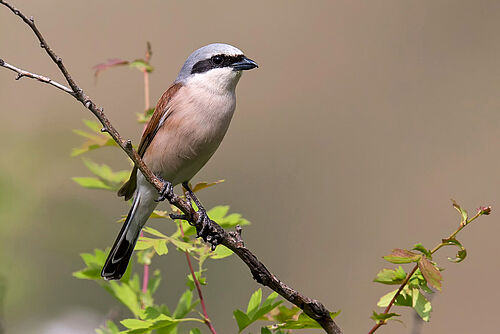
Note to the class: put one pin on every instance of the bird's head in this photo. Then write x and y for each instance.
(216, 67)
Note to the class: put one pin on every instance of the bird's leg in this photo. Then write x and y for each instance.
(204, 225)
(167, 193)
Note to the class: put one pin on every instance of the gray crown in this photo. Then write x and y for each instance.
(203, 53)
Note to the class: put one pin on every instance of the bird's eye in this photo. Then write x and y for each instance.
(217, 60)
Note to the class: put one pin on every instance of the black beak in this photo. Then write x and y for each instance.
(244, 64)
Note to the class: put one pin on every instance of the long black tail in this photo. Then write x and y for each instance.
(119, 257)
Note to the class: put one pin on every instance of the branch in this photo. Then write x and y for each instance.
(22, 73)
(198, 289)
(466, 221)
(232, 240)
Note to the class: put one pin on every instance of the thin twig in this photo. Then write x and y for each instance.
(481, 211)
(232, 240)
(22, 73)
(198, 288)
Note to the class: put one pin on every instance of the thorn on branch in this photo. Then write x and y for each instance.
(19, 76)
(42, 45)
(32, 19)
(87, 104)
(2, 62)
(104, 130)
(59, 60)
(128, 144)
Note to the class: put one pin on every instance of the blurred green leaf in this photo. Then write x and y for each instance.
(265, 330)
(242, 320)
(94, 263)
(154, 232)
(141, 65)
(94, 140)
(461, 210)
(421, 305)
(303, 321)
(382, 318)
(195, 331)
(160, 246)
(126, 295)
(462, 252)
(203, 185)
(109, 328)
(283, 314)
(399, 255)
(389, 276)
(145, 116)
(255, 310)
(419, 247)
(221, 252)
(91, 183)
(404, 299)
(254, 302)
(430, 272)
(190, 282)
(185, 305)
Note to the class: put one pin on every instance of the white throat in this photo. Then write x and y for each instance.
(218, 81)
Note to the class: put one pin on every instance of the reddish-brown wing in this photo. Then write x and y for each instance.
(161, 112)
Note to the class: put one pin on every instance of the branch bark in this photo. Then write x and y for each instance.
(232, 240)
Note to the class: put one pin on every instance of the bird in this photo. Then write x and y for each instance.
(186, 128)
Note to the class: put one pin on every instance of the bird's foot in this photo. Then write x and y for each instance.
(167, 192)
(206, 229)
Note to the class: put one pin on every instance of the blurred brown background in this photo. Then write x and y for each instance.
(363, 120)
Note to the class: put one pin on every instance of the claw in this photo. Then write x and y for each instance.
(167, 192)
(178, 216)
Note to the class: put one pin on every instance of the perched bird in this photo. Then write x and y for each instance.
(187, 126)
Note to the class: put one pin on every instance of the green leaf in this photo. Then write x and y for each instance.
(160, 246)
(421, 305)
(94, 140)
(143, 244)
(154, 232)
(382, 318)
(430, 272)
(265, 330)
(94, 263)
(195, 331)
(419, 247)
(203, 185)
(136, 323)
(145, 116)
(389, 276)
(461, 210)
(190, 282)
(126, 295)
(241, 319)
(404, 298)
(93, 125)
(184, 306)
(221, 252)
(254, 303)
(141, 65)
(109, 328)
(91, 183)
(462, 252)
(399, 255)
(304, 321)
(285, 314)
(150, 313)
